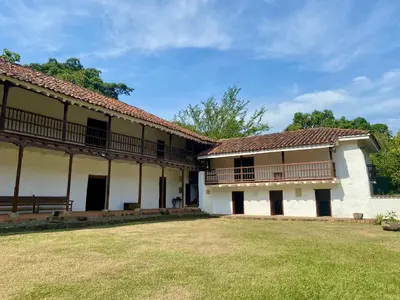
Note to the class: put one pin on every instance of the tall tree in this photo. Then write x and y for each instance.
(326, 118)
(387, 161)
(224, 118)
(73, 71)
(10, 56)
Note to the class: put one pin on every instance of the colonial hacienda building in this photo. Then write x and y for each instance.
(63, 145)
(60, 141)
(308, 173)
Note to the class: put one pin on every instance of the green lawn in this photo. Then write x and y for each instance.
(204, 259)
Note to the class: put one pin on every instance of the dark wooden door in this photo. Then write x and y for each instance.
(238, 203)
(96, 133)
(323, 202)
(188, 194)
(96, 193)
(276, 202)
(160, 200)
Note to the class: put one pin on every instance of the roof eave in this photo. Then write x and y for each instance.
(66, 98)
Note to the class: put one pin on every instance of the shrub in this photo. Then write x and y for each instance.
(391, 216)
(379, 219)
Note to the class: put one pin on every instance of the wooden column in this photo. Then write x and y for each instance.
(4, 105)
(283, 165)
(17, 179)
(142, 141)
(140, 185)
(141, 169)
(108, 183)
(170, 146)
(183, 188)
(109, 132)
(68, 196)
(65, 118)
(162, 188)
(193, 153)
(333, 172)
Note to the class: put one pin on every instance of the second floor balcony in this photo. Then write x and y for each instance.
(99, 137)
(272, 173)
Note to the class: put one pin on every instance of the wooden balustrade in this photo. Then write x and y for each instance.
(37, 125)
(272, 173)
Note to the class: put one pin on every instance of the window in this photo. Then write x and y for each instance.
(298, 192)
(160, 148)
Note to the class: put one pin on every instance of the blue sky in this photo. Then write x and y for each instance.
(288, 55)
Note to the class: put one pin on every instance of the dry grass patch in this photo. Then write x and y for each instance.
(204, 259)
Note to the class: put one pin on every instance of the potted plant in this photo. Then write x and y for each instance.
(358, 216)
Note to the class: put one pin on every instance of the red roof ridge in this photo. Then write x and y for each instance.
(69, 89)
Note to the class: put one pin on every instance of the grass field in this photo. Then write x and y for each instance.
(204, 259)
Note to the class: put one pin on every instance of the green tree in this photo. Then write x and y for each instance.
(326, 118)
(10, 56)
(225, 118)
(387, 161)
(73, 71)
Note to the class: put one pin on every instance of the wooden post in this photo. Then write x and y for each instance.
(140, 185)
(108, 183)
(142, 141)
(4, 105)
(109, 132)
(71, 156)
(141, 169)
(170, 146)
(162, 188)
(332, 164)
(283, 165)
(183, 188)
(17, 179)
(193, 153)
(65, 118)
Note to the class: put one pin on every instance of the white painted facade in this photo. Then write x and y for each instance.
(44, 173)
(350, 191)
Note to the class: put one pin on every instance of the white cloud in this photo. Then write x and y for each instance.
(39, 25)
(377, 100)
(327, 36)
(153, 26)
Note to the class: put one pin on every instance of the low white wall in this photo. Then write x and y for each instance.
(45, 173)
(382, 204)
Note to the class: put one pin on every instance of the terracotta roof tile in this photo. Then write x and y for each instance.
(286, 139)
(33, 77)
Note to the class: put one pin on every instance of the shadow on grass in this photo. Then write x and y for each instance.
(8, 229)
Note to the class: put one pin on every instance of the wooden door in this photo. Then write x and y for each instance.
(276, 202)
(323, 203)
(238, 203)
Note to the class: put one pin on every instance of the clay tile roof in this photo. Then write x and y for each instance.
(34, 77)
(286, 139)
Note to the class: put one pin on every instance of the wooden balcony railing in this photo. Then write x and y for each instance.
(37, 125)
(273, 173)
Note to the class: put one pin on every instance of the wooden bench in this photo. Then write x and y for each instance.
(35, 204)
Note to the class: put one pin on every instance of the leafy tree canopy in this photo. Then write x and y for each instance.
(224, 118)
(326, 118)
(387, 161)
(10, 56)
(73, 71)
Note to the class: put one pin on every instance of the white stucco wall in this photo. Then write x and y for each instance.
(352, 194)
(45, 172)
